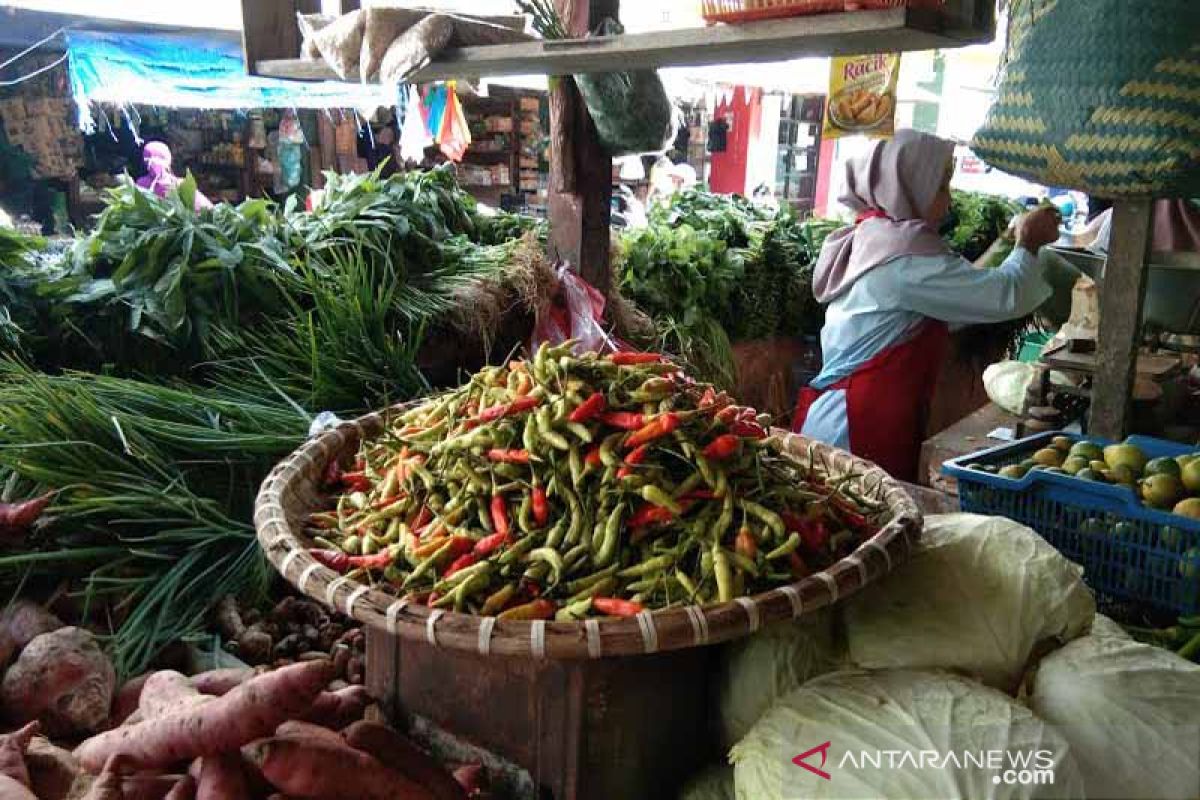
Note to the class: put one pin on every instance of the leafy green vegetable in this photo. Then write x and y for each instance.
(975, 221)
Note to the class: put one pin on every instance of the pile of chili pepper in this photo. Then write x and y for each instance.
(569, 486)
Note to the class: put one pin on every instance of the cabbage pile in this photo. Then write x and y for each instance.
(980, 657)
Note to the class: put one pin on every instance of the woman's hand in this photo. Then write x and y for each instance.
(1038, 228)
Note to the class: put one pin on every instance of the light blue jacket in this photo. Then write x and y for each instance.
(885, 306)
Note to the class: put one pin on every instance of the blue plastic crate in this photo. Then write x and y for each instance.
(1128, 551)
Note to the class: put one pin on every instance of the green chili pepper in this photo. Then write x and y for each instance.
(721, 489)
(580, 431)
(352, 545)
(555, 537)
(686, 583)
(574, 555)
(574, 611)
(478, 568)
(687, 484)
(786, 548)
(555, 440)
(608, 449)
(424, 474)
(742, 562)
(600, 588)
(706, 470)
(724, 574)
(655, 495)
(648, 566)
(525, 514)
(579, 584)
(575, 461)
(772, 520)
(575, 511)
(612, 534)
(529, 434)
(536, 572)
(550, 556)
(428, 564)
(518, 549)
(483, 513)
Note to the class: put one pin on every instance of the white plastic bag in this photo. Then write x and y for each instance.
(576, 313)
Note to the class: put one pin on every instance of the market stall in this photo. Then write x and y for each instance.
(542, 557)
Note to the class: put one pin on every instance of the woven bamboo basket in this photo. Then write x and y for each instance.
(292, 491)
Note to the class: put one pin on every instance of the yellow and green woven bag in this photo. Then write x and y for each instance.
(1102, 96)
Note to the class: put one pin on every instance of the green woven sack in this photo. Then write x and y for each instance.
(1102, 96)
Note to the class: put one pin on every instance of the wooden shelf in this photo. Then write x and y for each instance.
(890, 30)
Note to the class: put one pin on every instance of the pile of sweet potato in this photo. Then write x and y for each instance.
(231, 734)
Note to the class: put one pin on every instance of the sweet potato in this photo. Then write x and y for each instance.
(127, 698)
(62, 678)
(167, 692)
(52, 770)
(108, 785)
(20, 624)
(221, 778)
(184, 789)
(398, 751)
(251, 711)
(13, 789)
(12, 753)
(222, 681)
(338, 709)
(311, 769)
(306, 731)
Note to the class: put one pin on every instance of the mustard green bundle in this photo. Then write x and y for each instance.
(1102, 96)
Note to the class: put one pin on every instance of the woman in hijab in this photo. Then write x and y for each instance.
(159, 178)
(892, 287)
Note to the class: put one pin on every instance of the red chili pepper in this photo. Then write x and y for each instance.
(623, 472)
(356, 482)
(747, 429)
(518, 406)
(18, 517)
(524, 383)
(625, 420)
(592, 459)
(660, 426)
(745, 543)
(333, 474)
(728, 414)
(360, 464)
(649, 514)
(589, 408)
(535, 609)
(722, 447)
(502, 456)
(541, 506)
(374, 561)
(700, 494)
(798, 567)
(336, 560)
(615, 607)
(462, 562)
(813, 532)
(637, 455)
(628, 358)
(460, 545)
(418, 523)
(852, 516)
(433, 598)
(490, 544)
(500, 514)
(387, 502)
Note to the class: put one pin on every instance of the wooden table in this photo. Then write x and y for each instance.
(965, 436)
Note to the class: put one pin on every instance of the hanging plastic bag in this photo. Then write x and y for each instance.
(632, 111)
(575, 312)
(455, 135)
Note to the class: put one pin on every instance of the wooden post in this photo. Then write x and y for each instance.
(580, 170)
(269, 29)
(1121, 296)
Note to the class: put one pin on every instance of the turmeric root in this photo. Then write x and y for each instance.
(253, 643)
(312, 769)
(398, 751)
(251, 711)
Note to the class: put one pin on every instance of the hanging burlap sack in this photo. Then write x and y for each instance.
(415, 48)
(483, 31)
(340, 42)
(1100, 96)
(382, 27)
(310, 24)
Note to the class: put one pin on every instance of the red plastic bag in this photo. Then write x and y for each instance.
(576, 312)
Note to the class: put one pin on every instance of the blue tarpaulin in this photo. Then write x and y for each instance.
(193, 70)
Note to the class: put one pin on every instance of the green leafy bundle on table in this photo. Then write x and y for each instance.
(17, 254)
(976, 221)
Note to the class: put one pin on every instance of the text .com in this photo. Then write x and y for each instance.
(1025, 777)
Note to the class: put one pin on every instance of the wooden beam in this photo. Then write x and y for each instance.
(1121, 296)
(269, 29)
(579, 204)
(890, 30)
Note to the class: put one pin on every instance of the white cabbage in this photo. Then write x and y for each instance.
(978, 596)
(1131, 713)
(758, 669)
(712, 783)
(942, 734)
